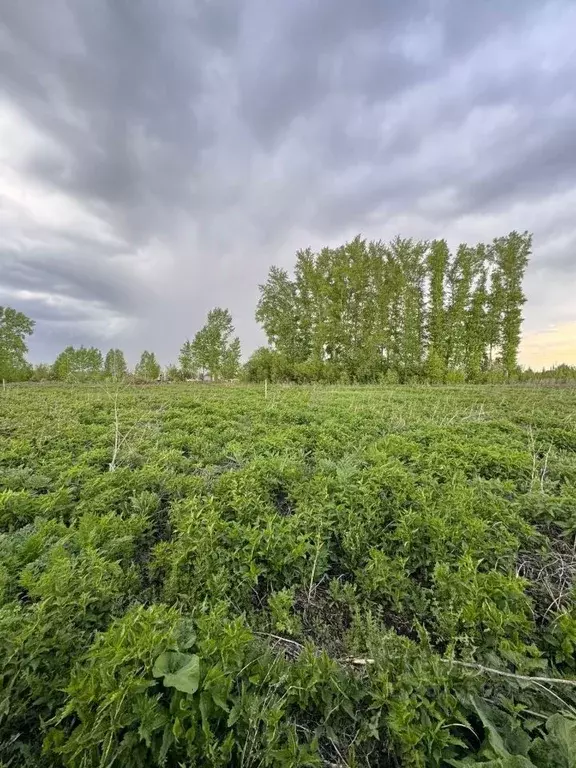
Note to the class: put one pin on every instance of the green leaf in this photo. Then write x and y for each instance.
(167, 741)
(563, 731)
(557, 749)
(493, 736)
(179, 670)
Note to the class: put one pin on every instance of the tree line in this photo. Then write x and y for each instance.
(366, 311)
(403, 311)
(213, 352)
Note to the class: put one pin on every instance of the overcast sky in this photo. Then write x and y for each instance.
(157, 156)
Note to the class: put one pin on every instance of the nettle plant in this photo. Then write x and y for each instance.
(304, 576)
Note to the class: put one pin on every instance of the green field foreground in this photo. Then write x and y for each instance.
(197, 575)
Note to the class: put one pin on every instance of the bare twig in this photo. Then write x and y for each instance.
(501, 673)
(551, 574)
(342, 761)
(544, 469)
(117, 441)
(534, 458)
(313, 571)
(481, 668)
(281, 639)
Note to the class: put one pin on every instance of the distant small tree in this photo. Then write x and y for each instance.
(213, 349)
(115, 364)
(88, 361)
(148, 368)
(82, 363)
(173, 373)
(14, 327)
(62, 367)
(266, 363)
(187, 360)
(41, 372)
(231, 360)
(259, 365)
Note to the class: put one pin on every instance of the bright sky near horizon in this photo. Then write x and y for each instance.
(156, 157)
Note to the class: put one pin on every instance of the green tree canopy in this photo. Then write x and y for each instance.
(405, 310)
(213, 348)
(14, 328)
(115, 364)
(78, 363)
(231, 359)
(265, 363)
(148, 368)
(187, 360)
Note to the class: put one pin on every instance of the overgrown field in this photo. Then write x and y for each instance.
(199, 576)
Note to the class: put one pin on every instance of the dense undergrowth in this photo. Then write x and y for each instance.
(198, 576)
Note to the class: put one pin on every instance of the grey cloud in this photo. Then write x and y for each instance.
(298, 67)
(216, 136)
(558, 254)
(119, 100)
(544, 160)
(66, 277)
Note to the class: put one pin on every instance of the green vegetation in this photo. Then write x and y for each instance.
(148, 369)
(80, 364)
(14, 328)
(115, 364)
(204, 576)
(404, 311)
(213, 350)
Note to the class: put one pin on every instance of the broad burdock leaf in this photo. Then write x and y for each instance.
(178, 670)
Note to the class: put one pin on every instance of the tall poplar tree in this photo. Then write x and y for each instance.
(494, 312)
(512, 254)
(437, 263)
(187, 360)
(406, 309)
(475, 331)
(410, 257)
(278, 312)
(460, 279)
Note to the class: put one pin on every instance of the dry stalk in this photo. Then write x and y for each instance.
(313, 571)
(481, 668)
(117, 442)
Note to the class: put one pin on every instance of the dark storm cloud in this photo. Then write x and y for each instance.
(544, 160)
(96, 281)
(207, 139)
(303, 58)
(116, 85)
(352, 50)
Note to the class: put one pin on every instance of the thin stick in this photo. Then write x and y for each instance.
(313, 571)
(524, 678)
(117, 442)
(282, 639)
(544, 469)
(534, 458)
(487, 670)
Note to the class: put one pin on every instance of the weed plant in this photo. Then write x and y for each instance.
(196, 575)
